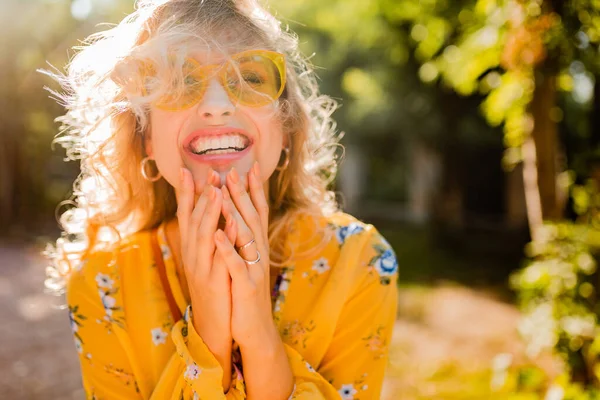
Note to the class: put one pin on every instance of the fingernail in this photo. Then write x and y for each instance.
(212, 192)
(235, 178)
(219, 235)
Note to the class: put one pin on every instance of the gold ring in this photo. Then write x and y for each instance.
(250, 262)
(246, 245)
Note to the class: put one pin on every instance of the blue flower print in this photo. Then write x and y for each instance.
(343, 232)
(387, 264)
(384, 261)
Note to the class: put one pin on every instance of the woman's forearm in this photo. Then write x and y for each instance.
(267, 371)
(224, 358)
(221, 349)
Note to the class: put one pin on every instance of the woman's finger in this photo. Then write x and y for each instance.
(194, 220)
(257, 194)
(244, 234)
(218, 262)
(230, 228)
(193, 223)
(235, 264)
(243, 203)
(205, 244)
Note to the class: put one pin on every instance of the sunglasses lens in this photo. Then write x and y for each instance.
(186, 95)
(255, 80)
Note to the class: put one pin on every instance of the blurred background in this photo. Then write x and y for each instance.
(472, 137)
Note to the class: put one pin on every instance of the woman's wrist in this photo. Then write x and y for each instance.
(263, 341)
(267, 363)
(218, 345)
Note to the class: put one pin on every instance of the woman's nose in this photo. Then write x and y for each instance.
(215, 104)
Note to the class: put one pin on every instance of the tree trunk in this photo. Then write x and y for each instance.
(540, 153)
(7, 179)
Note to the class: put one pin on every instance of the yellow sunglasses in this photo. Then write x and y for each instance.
(251, 78)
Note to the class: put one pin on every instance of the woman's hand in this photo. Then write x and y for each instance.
(267, 371)
(251, 318)
(207, 275)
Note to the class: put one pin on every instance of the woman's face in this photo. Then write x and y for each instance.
(214, 133)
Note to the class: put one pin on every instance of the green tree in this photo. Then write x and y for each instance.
(524, 59)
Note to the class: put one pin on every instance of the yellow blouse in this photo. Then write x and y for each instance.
(334, 310)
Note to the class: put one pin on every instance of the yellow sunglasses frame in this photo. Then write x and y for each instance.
(221, 73)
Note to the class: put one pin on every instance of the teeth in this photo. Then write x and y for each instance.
(229, 143)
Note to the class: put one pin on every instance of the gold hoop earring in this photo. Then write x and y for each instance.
(286, 163)
(143, 170)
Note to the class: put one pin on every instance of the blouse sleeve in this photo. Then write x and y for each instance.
(110, 370)
(355, 362)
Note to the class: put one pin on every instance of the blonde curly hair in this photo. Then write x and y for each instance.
(106, 121)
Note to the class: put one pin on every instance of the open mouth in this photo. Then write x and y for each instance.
(227, 143)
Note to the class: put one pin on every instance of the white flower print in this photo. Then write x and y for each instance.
(74, 326)
(283, 286)
(166, 252)
(309, 367)
(104, 281)
(108, 302)
(159, 336)
(321, 265)
(78, 345)
(192, 372)
(347, 392)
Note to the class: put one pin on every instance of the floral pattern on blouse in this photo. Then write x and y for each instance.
(384, 261)
(159, 336)
(76, 319)
(107, 290)
(343, 232)
(319, 267)
(280, 291)
(348, 391)
(191, 372)
(127, 378)
(296, 333)
(377, 343)
(334, 310)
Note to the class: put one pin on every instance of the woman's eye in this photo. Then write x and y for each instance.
(233, 82)
(190, 81)
(253, 78)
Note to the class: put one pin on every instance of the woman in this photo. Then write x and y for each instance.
(205, 257)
